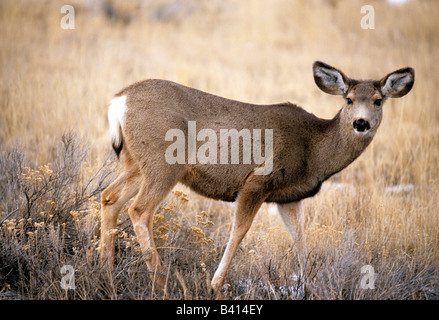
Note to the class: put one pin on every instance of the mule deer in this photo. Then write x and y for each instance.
(306, 151)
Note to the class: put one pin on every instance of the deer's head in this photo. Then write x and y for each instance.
(363, 109)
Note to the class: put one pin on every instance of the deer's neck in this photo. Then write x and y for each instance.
(337, 147)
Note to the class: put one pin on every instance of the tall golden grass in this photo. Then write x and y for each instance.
(53, 80)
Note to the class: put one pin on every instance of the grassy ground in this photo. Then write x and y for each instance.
(55, 80)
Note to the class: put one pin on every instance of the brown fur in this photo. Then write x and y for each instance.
(307, 150)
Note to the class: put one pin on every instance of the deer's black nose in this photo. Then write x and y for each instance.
(361, 125)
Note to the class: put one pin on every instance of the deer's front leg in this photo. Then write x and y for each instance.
(293, 217)
(248, 205)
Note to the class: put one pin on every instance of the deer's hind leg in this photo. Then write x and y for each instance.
(141, 213)
(113, 198)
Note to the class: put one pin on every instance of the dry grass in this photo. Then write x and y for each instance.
(53, 80)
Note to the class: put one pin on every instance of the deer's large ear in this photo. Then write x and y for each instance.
(398, 83)
(329, 79)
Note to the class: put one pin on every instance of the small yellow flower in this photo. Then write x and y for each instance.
(39, 224)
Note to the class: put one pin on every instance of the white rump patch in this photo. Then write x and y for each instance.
(116, 118)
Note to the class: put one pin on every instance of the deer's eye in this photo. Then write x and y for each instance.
(349, 100)
(378, 102)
